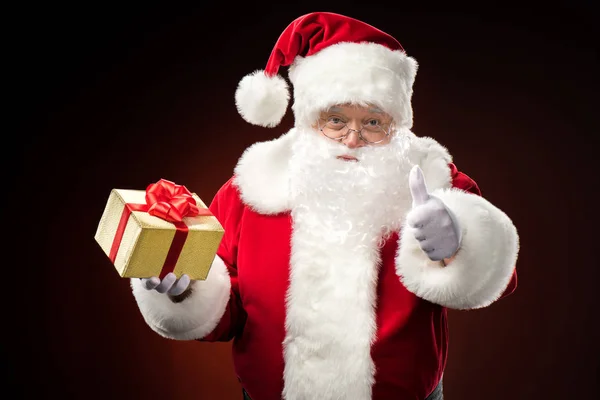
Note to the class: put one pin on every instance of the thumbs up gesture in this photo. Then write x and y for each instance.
(432, 223)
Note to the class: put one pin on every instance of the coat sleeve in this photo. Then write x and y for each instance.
(484, 268)
(460, 180)
(212, 312)
(228, 208)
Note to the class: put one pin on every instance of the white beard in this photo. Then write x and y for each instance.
(342, 212)
(348, 200)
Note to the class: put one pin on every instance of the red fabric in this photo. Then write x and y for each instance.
(313, 32)
(412, 336)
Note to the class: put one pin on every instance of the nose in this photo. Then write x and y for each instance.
(353, 140)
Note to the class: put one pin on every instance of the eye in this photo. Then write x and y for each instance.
(335, 120)
(335, 123)
(372, 123)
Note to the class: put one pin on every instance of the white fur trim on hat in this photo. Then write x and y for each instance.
(262, 100)
(358, 73)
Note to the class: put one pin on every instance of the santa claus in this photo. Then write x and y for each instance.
(346, 239)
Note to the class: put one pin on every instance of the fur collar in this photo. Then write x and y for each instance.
(262, 173)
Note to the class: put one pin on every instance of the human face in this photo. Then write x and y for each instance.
(353, 120)
(347, 184)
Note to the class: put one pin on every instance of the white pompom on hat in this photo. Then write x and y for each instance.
(332, 59)
(261, 99)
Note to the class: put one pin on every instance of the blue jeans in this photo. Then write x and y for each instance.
(437, 394)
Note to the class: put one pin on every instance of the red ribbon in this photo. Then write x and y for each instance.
(171, 202)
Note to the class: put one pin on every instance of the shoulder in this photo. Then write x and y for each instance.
(439, 167)
(461, 180)
(434, 160)
(227, 192)
(227, 203)
(262, 175)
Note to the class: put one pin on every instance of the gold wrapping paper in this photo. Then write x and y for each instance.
(147, 239)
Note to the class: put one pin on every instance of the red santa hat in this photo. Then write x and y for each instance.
(332, 59)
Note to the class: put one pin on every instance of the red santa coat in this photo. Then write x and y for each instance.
(246, 296)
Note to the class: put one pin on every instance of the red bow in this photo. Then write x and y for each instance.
(170, 201)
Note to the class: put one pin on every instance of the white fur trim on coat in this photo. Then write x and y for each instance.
(193, 318)
(262, 173)
(433, 159)
(483, 265)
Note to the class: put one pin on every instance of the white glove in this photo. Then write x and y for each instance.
(169, 284)
(432, 223)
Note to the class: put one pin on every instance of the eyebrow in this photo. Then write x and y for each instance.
(375, 110)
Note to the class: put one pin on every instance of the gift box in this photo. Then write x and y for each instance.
(163, 229)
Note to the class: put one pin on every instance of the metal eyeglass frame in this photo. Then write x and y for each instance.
(358, 131)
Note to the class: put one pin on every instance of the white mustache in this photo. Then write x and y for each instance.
(333, 149)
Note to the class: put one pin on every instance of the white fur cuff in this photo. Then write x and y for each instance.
(193, 318)
(482, 267)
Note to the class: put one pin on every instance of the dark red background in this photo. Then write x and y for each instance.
(121, 97)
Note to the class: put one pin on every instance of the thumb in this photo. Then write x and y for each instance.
(417, 185)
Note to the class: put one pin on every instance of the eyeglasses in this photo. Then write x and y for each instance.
(371, 133)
